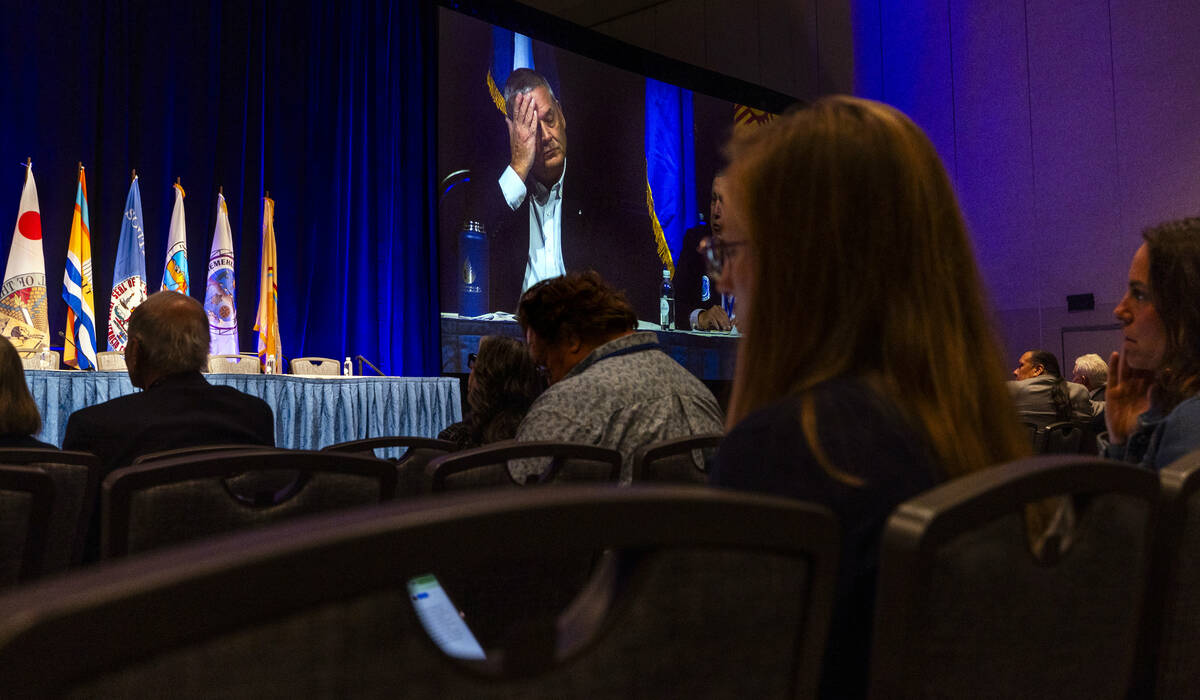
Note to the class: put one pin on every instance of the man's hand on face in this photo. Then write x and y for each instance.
(522, 134)
(714, 319)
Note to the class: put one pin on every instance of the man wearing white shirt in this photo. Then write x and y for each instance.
(537, 137)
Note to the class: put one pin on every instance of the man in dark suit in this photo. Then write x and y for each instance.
(696, 294)
(543, 223)
(177, 407)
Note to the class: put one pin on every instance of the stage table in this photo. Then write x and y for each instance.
(310, 411)
(710, 355)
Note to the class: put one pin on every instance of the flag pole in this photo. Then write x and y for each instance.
(133, 176)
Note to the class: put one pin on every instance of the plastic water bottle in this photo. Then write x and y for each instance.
(473, 270)
(666, 302)
(347, 368)
(44, 360)
(270, 364)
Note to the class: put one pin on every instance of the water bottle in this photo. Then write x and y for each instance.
(44, 360)
(473, 270)
(347, 368)
(666, 302)
(270, 364)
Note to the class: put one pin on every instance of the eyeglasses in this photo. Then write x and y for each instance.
(716, 253)
(471, 360)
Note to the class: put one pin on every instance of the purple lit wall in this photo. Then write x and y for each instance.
(1067, 127)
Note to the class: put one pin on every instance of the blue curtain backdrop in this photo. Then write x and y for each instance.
(329, 106)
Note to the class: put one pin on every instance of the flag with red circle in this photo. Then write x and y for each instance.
(23, 295)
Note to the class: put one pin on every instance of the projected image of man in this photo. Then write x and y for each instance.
(537, 136)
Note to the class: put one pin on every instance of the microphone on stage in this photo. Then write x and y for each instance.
(361, 360)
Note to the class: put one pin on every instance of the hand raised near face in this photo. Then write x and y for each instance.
(1126, 397)
(522, 134)
(714, 319)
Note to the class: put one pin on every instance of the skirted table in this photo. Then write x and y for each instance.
(310, 412)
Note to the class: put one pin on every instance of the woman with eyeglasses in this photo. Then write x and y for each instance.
(867, 372)
(19, 416)
(502, 385)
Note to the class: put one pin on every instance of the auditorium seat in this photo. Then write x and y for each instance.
(1061, 438)
(316, 365)
(487, 466)
(194, 450)
(680, 460)
(1174, 639)
(110, 361)
(1035, 436)
(244, 363)
(26, 502)
(320, 607)
(76, 477)
(410, 467)
(966, 609)
(168, 501)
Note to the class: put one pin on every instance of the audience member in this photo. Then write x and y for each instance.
(501, 387)
(167, 347)
(609, 385)
(1041, 394)
(1151, 406)
(867, 372)
(1091, 371)
(19, 417)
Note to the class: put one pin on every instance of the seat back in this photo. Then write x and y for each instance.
(1062, 438)
(234, 364)
(1174, 639)
(76, 477)
(194, 450)
(321, 606)
(964, 607)
(34, 361)
(488, 466)
(110, 361)
(410, 464)
(26, 501)
(682, 460)
(316, 365)
(169, 501)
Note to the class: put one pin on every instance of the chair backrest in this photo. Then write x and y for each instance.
(194, 450)
(174, 500)
(1173, 638)
(708, 611)
(110, 361)
(410, 466)
(681, 460)
(487, 466)
(26, 501)
(964, 606)
(234, 364)
(76, 477)
(1062, 438)
(315, 365)
(1035, 436)
(34, 361)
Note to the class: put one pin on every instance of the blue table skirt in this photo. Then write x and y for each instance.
(310, 412)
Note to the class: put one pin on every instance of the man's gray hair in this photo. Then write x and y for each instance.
(172, 333)
(521, 81)
(1094, 368)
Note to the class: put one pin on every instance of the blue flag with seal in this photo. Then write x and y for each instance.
(510, 51)
(670, 167)
(129, 274)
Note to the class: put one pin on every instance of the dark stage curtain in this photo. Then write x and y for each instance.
(328, 106)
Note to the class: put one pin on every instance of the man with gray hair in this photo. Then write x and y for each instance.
(177, 407)
(1092, 372)
(543, 224)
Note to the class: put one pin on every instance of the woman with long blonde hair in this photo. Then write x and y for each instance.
(868, 371)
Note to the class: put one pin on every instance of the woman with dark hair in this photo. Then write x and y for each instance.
(500, 389)
(1152, 408)
(19, 417)
(867, 372)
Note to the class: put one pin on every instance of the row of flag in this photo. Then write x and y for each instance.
(23, 301)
